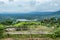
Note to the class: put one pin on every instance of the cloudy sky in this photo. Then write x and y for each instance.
(29, 5)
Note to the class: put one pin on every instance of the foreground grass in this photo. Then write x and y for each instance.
(30, 39)
(31, 36)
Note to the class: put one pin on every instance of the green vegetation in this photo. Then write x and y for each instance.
(51, 25)
(7, 22)
(1, 31)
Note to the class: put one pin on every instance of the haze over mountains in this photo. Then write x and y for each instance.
(31, 15)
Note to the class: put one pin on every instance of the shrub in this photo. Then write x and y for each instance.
(1, 31)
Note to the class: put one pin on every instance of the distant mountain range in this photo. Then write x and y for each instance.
(32, 15)
(58, 12)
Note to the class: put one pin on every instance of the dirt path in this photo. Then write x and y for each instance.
(8, 39)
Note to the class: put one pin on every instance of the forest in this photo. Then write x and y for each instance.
(52, 26)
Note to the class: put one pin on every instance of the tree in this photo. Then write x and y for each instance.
(57, 32)
(7, 22)
(1, 30)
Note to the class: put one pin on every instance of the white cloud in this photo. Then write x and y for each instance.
(43, 1)
(29, 5)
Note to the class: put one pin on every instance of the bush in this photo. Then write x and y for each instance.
(1, 31)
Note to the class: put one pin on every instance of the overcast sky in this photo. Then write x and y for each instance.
(29, 5)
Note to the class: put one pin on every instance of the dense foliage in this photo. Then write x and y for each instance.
(1, 30)
(52, 25)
